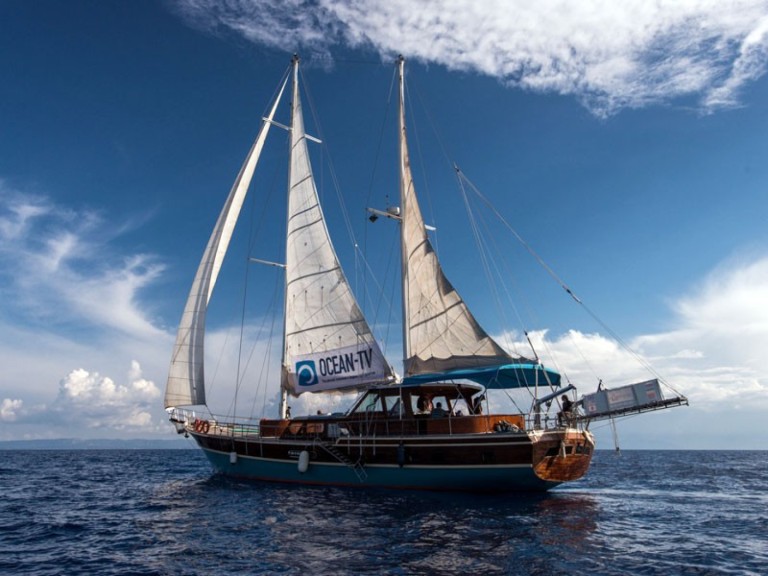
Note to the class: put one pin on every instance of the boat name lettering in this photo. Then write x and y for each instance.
(348, 362)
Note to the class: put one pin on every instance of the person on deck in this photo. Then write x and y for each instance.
(424, 404)
(565, 415)
(438, 411)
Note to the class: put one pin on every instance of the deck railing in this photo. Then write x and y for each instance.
(337, 425)
(190, 420)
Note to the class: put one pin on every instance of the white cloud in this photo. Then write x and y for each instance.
(18, 212)
(731, 300)
(58, 267)
(9, 409)
(724, 321)
(608, 54)
(89, 404)
(748, 65)
(73, 298)
(81, 387)
(273, 23)
(97, 401)
(714, 354)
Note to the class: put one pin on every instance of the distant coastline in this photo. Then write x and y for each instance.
(97, 444)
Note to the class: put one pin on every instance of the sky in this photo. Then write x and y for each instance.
(625, 142)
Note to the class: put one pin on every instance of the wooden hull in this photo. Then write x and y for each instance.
(489, 461)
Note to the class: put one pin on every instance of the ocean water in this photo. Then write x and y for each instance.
(146, 512)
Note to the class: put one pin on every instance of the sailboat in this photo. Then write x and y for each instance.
(429, 429)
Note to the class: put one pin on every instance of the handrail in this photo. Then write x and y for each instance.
(185, 420)
(366, 425)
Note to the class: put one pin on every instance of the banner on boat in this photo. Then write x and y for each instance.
(349, 367)
(625, 398)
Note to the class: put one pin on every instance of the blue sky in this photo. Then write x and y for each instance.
(626, 143)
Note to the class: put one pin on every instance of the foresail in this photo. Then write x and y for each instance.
(186, 382)
(440, 332)
(328, 343)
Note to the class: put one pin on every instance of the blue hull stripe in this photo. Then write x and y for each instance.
(498, 478)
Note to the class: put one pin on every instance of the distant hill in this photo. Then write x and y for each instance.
(96, 444)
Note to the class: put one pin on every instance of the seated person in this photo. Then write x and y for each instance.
(438, 410)
(424, 404)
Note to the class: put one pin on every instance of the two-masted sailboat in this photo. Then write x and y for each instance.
(430, 429)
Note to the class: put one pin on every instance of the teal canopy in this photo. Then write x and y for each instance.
(495, 377)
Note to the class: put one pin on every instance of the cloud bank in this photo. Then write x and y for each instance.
(58, 265)
(88, 400)
(98, 402)
(73, 298)
(610, 55)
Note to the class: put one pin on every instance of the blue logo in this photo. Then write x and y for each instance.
(305, 373)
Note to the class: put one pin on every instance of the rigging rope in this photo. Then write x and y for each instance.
(331, 169)
(562, 284)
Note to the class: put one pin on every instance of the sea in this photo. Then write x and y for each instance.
(164, 512)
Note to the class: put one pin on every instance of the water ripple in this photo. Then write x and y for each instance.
(163, 512)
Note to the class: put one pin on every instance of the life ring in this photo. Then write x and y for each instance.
(204, 427)
(197, 424)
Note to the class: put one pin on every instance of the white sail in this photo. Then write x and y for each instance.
(440, 333)
(328, 343)
(186, 382)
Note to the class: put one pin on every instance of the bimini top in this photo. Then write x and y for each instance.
(495, 377)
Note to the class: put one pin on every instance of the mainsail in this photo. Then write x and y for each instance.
(186, 376)
(440, 332)
(328, 343)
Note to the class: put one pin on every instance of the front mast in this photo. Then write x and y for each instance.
(403, 193)
(283, 391)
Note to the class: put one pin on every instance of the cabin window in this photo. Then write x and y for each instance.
(431, 404)
(393, 406)
(369, 404)
(461, 407)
